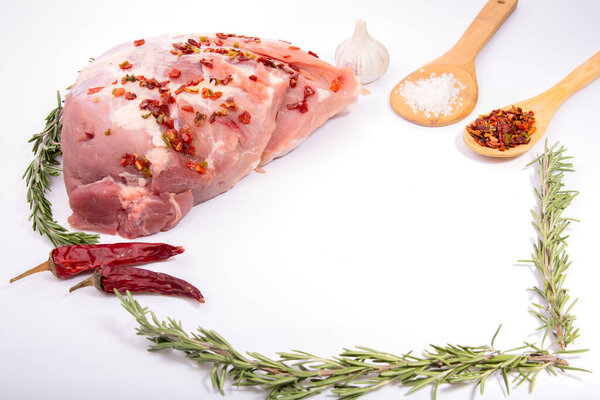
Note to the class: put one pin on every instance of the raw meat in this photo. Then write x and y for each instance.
(151, 129)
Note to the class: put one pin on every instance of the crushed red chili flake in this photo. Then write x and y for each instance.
(335, 84)
(312, 53)
(187, 108)
(118, 92)
(206, 63)
(179, 141)
(139, 42)
(150, 83)
(199, 118)
(230, 104)
(142, 164)
(308, 91)
(174, 73)
(130, 96)
(294, 48)
(125, 65)
(95, 90)
(245, 117)
(198, 167)
(253, 78)
(301, 106)
(193, 42)
(294, 81)
(503, 128)
(128, 78)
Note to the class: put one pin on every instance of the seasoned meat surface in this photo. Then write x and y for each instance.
(151, 129)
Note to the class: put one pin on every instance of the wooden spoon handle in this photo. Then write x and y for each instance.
(549, 101)
(487, 22)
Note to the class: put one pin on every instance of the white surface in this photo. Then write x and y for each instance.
(374, 232)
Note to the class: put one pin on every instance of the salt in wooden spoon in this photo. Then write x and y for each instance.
(544, 106)
(460, 61)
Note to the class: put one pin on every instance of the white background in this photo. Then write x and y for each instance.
(374, 232)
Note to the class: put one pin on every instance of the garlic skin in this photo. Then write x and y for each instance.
(368, 58)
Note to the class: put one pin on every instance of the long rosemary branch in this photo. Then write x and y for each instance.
(549, 255)
(297, 375)
(46, 148)
(353, 373)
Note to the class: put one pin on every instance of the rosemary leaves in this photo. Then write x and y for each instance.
(46, 148)
(353, 373)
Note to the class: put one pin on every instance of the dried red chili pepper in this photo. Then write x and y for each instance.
(66, 261)
(108, 279)
(139, 42)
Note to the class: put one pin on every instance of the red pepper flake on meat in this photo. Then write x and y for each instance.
(130, 96)
(312, 53)
(142, 164)
(253, 78)
(198, 167)
(199, 118)
(206, 63)
(230, 104)
(125, 65)
(138, 42)
(308, 91)
(95, 90)
(293, 48)
(118, 92)
(128, 78)
(301, 106)
(503, 128)
(174, 73)
(244, 117)
(335, 84)
(294, 81)
(180, 141)
(187, 108)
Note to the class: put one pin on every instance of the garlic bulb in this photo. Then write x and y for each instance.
(368, 58)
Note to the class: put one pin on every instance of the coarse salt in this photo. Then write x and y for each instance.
(434, 96)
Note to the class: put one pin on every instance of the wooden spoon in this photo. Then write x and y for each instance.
(460, 61)
(544, 106)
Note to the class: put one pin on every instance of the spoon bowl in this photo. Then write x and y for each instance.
(543, 106)
(460, 62)
(462, 107)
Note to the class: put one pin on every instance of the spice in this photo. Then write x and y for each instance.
(95, 90)
(139, 42)
(142, 164)
(434, 95)
(125, 65)
(368, 58)
(66, 261)
(118, 92)
(501, 129)
(198, 167)
(174, 73)
(107, 132)
(245, 117)
(109, 278)
(130, 96)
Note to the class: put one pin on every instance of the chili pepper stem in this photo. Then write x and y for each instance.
(93, 280)
(45, 266)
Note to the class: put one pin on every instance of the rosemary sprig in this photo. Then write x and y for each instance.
(353, 373)
(297, 375)
(46, 148)
(549, 255)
